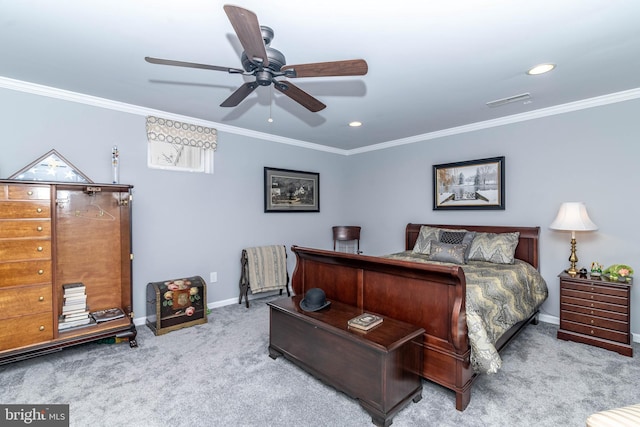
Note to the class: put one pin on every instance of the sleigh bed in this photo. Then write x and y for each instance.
(462, 339)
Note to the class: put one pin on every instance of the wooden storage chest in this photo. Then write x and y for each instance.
(175, 304)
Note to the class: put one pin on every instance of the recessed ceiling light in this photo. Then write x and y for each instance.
(541, 69)
(355, 124)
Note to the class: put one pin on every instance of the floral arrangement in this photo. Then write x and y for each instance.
(618, 271)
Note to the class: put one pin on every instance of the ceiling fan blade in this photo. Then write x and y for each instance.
(191, 65)
(241, 93)
(245, 24)
(353, 67)
(300, 96)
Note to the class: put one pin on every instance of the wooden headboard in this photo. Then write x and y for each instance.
(527, 249)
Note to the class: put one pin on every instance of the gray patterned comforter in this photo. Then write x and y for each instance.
(498, 297)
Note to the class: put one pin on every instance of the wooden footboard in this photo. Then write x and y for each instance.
(427, 295)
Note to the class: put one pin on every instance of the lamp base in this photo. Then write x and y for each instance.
(573, 258)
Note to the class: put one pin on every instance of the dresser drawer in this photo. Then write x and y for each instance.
(24, 300)
(20, 210)
(25, 330)
(620, 315)
(14, 250)
(589, 304)
(597, 289)
(29, 192)
(25, 273)
(588, 297)
(10, 228)
(597, 321)
(594, 331)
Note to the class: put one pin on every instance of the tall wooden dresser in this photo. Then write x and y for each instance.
(53, 234)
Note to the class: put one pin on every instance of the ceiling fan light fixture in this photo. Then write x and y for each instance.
(355, 124)
(541, 69)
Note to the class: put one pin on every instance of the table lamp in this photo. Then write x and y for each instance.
(573, 217)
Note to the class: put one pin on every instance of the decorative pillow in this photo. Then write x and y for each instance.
(426, 236)
(447, 252)
(452, 237)
(498, 248)
(458, 238)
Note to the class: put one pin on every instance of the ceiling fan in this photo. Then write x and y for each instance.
(267, 63)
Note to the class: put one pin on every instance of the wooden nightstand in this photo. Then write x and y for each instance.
(596, 311)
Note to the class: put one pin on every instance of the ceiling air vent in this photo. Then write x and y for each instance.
(509, 100)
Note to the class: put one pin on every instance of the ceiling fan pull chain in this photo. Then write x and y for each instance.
(270, 119)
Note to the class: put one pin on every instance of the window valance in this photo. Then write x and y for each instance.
(175, 132)
(180, 146)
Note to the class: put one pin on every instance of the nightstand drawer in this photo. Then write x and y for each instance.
(590, 304)
(596, 289)
(619, 315)
(594, 331)
(595, 321)
(586, 296)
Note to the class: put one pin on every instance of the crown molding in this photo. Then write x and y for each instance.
(598, 101)
(66, 95)
(109, 104)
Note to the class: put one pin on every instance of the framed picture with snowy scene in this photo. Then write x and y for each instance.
(469, 185)
(291, 191)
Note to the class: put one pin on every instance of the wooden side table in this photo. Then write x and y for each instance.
(596, 311)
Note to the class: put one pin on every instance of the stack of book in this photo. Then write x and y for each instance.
(74, 307)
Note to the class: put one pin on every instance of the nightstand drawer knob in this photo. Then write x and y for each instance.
(591, 311)
(39, 228)
(591, 304)
(591, 296)
(591, 289)
(41, 328)
(29, 193)
(41, 272)
(592, 321)
(40, 248)
(592, 332)
(39, 210)
(41, 299)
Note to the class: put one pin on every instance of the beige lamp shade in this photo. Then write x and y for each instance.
(573, 216)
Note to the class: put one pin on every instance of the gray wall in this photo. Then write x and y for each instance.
(192, 224)
(184, 224)
(589, 155)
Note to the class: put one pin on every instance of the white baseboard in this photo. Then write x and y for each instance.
(546, 318)
(216, 304)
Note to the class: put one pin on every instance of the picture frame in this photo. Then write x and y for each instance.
(287, 190)
(469, 185)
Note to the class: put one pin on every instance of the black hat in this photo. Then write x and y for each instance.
(314, 300)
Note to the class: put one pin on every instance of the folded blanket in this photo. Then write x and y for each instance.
(267, 267)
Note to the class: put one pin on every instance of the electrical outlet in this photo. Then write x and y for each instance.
(213, 278)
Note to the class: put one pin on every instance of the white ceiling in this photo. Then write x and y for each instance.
(433, 65)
